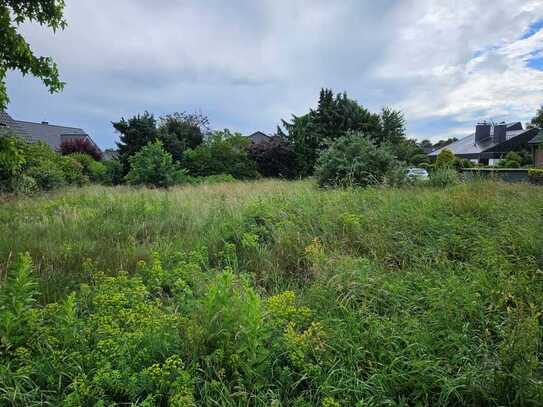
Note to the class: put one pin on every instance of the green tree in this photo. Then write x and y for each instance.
(537, 120)
(135, 133)
(223, 153)
(181, 131)
(15, 52)
(445, 158)
(154, 166)
(391, 127)
(333, 118)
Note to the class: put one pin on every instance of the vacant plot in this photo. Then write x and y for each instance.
(273, 293)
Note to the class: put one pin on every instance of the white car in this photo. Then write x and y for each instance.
(419, 174)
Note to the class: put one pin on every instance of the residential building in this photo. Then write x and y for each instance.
(491, 142)
(50, 134)
(259, 137)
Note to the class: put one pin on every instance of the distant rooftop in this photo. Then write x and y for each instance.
(51, 134)
(467, 146)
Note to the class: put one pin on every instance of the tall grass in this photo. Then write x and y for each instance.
(286, 294)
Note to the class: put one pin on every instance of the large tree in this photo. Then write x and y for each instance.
(135, 133)
(15, 52)
(181, 131)
(334, 117)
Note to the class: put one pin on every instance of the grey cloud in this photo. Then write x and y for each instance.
(250, 63)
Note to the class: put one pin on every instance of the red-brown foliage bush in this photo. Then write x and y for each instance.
(80, 145)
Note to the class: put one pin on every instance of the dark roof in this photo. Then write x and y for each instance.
(468, 147)
(259, 137)
(538, 139)
(50, 134)
(7, 121)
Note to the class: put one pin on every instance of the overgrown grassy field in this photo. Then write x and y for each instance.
(273, 293)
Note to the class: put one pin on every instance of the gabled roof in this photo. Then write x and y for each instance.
(50, 134)
(259, 137)
(467, 145)
(7, 121)
(538, 139)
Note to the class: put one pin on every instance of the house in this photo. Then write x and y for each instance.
(537, 148)
(50, 134)
(491, 142)
(259, 137)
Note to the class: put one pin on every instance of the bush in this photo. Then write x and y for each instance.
(12, 157)
(94, 170)
(73, 171)
(460, 163)
(535, 175)
(48, 176)
(354, 160)
(114, 172)
(82, 146)
(508, 164)
(223, 153)
(445, 159)
(274, 158)
(23, 184)
(443, 177)
(154, 166)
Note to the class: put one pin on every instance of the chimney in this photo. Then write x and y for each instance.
(44, 122)
(482, 132)
(500, 131)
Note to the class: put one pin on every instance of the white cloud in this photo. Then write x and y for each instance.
(249, 64)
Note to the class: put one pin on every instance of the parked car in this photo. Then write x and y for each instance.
(419, 174)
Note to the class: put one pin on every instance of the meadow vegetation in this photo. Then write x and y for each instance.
(273, 293)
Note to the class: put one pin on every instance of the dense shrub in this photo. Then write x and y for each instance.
(74, 171)
(154, 166)
(114, 172)
(82, 146)
(511, 160)
(274, 158)
(354, 160)
(222, 153)
(12, 157)
(460, 163)
(535, 176)
(23, 184)
(445, 159)
(94, 170)
(443, 177)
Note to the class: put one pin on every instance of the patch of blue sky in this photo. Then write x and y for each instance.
(536, 63)
(534, 28)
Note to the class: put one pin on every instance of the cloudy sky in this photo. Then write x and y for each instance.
(247, 64)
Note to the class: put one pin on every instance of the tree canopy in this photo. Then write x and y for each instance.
(135, 133)
(334, 117)
(181, 131)
(537, 120)
(15, 52)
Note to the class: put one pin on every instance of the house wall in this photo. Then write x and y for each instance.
(538, 157)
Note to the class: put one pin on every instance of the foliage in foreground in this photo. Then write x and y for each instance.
(16, 52)
(283, 295)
